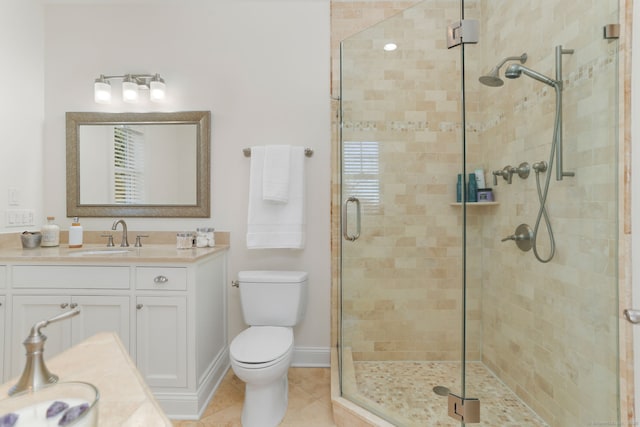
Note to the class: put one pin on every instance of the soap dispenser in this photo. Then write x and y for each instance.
(75, 234)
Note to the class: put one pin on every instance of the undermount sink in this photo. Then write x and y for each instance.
(106, 251)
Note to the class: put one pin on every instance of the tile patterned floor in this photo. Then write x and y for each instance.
(404, 390)
(309, 401)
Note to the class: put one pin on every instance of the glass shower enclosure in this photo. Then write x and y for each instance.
(442, 298)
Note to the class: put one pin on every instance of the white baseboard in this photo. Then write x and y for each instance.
(184, 404)
(311, 357)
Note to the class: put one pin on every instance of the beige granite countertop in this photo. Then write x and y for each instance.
(100, 253)
(125, 399)
(157, 246)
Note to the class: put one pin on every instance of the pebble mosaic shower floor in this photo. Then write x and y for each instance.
(405, 390)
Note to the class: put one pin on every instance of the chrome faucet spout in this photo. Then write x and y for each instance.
(125, 240)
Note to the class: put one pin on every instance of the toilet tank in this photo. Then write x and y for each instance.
(273, 298)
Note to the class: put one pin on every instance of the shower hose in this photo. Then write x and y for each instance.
(542, 194)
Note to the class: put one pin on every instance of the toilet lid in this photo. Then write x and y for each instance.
(261, 344)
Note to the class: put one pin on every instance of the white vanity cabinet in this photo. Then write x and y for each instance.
(169, 309)
(2, 328)
(3, 311)
(161, 340)
(99, 313)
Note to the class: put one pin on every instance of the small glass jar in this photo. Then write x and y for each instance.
(205, 237)
(184, 240)
(201, 237)
(211, 238)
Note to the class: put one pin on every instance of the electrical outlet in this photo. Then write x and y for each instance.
(19, 217)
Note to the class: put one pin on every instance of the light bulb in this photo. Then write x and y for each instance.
(102, 91)
(129, 89)
(157, 88)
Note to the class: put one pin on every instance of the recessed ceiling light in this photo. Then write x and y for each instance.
(390, 47)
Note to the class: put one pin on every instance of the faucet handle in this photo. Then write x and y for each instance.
(138, 241)
(35, 373)
(110, 242)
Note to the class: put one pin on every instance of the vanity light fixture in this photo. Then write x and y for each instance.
(131, 86)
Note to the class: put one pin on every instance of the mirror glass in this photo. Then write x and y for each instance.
(138, 164)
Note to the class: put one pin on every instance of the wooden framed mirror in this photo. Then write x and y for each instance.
(138, 164)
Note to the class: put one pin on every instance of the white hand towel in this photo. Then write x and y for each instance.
(276, 225)
(275, 176)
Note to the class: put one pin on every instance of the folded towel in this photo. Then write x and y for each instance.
(276, 225)
(275, 176)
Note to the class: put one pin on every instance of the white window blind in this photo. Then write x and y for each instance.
(361, 173)
(128, 157)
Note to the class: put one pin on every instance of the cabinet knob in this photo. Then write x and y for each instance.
(64, 305)
(139, 306)
(73, 305)
(160, 279)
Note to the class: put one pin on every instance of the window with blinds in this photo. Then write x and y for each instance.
(128, 157)
(361, 173)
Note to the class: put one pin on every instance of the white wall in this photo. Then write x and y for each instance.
(260, 67)
(21, 106)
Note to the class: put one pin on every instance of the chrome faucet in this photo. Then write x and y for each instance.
(125, 241)
(36, 374)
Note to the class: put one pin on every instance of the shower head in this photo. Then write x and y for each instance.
(516, 70)
(492, 78)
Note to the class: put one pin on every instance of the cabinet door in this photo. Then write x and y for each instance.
(161, 340)
(2, 338)
(100, 314)
(28, 310)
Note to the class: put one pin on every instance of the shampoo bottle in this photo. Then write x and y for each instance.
(50, 233)
(473, 188)
(75, 234)
(459, 189)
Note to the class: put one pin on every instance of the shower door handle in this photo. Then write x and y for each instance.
(631, 315)
(345, 228)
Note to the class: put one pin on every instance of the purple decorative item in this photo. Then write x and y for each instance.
(55, 408)
(73, 413)
(8, 420)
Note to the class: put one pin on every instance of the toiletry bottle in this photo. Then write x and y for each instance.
(473, 188)
(480, 178)
(50, 233)
(459, 189)
(75, 234)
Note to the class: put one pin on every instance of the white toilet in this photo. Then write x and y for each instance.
(272, 303)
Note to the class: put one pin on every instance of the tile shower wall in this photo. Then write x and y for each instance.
(402, 280)
(550, 330)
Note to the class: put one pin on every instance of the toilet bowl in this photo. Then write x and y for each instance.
(260, 356)
(272, 303)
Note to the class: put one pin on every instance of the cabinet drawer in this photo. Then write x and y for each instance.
(161, 278)
(65, 277)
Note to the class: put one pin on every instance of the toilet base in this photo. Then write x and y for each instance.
(265, 404)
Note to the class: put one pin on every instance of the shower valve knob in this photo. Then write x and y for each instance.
(504, 173)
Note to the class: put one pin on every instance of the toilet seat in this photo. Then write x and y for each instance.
(259, 347)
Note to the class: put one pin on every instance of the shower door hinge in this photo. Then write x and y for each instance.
(612, 31)
(463, 409)
(465, 31)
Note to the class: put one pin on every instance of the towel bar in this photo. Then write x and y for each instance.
(307, 152)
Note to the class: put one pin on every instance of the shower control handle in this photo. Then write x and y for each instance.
(505, 173)
(523, 237)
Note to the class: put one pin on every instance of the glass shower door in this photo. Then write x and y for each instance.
(549, 323)
(401, 253)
